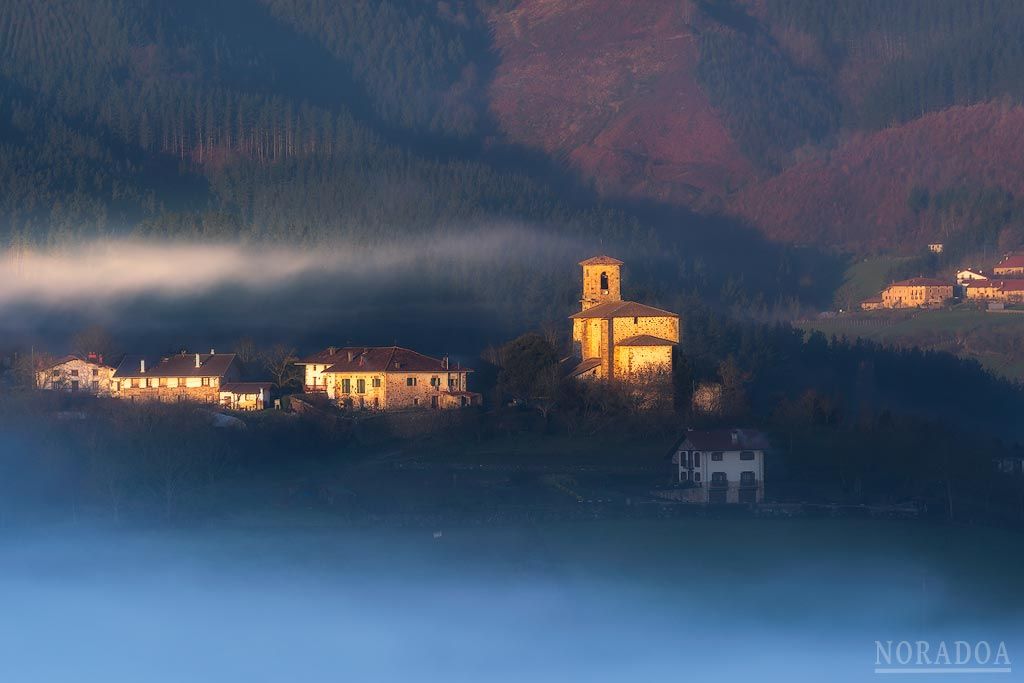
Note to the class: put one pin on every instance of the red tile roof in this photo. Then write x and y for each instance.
(179, 365)
(70, 357)
(601, 261)
(378, 359)
(1012, 260)
(922, 282)
(644, 340)
(623, 309)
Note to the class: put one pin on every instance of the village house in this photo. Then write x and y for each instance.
(618, 339)
(77, 374)
(245, 395)
(194, 377)
(1004, 291)
(873, 303)
(918, 292)
(387, 378)
(720, 466)
(1012, 264)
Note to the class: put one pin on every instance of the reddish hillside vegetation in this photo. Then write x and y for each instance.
(611, 87)
(857, 195)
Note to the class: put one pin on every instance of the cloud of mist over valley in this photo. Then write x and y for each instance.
(450, 293)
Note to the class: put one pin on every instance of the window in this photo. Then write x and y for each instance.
(636, 320)
(149, 383)
(346, 386)
(410, 381)
(604, 283)
(74, 373)
(684, 458)
(684, 476)
(206, 381)
(95, 372)
(747, 479)
(55, 373)
(435, 381)
(415, 401)
(716, 456)
(135, 383)
(163, 381)
(696, 458)
(719, 478)
(746, 455)
(453, 382)
(696, 477)
(376, 382)
(360, 386)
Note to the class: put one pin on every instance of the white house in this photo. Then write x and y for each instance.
(245, 395)
(720, 466)
(969, 275)
(77, 374)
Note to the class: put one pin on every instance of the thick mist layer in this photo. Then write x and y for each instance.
(572, 602)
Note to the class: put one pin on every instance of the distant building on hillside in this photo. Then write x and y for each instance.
(936, 247)
(387, 378)
(77, 374)
(1012, 264)
(873, 303)
(616, 339)
(720, 466)
(1003, 291)
(183, 377)
(918, 292)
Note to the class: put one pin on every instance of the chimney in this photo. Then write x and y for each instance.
(197, 361)
(444, 362)
(351, 355)
(735, 437)
(212, 351)
(142, 366)
(331, 350)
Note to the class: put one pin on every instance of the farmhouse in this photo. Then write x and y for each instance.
(77, 374)
(618, 339)
(968, 275)
(720, 466)
(183, 377)
(387, 378)
(1012, 264)
(918, 292)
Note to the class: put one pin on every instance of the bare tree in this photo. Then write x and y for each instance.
(279, 361)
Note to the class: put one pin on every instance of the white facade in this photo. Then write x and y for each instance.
(724, 466)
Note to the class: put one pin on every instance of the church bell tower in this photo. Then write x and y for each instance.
(601, 281)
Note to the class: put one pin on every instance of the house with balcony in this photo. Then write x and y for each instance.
(720, 466)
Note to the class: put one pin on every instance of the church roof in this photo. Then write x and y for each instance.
(644, 340)
(623, 309)
(601, 261)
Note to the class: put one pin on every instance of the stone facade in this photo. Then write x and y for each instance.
(387, 378)
(184, 377)
(919, 292)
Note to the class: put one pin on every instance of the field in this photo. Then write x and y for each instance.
(993, 339)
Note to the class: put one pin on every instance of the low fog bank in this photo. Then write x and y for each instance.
(439, 293)
(587, 601)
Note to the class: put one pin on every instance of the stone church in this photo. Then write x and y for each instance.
(616, 339)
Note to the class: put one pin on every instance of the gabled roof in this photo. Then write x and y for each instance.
(722, 440)
(601, 261)
(379, 359)
(72, 357)
(645, 340)
(246, 387)
(178, 365)
(623, 309)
